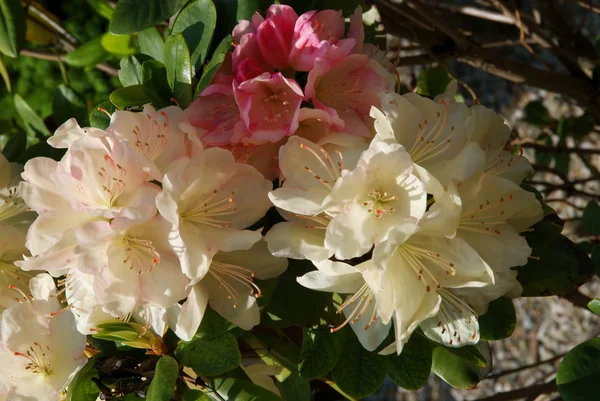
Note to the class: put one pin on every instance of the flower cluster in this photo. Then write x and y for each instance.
(409, 207)
(421, 228)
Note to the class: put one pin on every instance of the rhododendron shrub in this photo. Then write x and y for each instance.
(294, 218)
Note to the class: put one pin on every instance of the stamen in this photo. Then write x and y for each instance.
(223, 272)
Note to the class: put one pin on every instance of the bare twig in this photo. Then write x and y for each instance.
(536, 389)
(560, 149)
(588, 5)
(110, 70)
(521, 368)
(578, 299)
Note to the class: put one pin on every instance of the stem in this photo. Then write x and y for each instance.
(520, 369)
(108, 69)
(534, 390)
(334, 386)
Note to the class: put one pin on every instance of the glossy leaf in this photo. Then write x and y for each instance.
(411, 369)
(537, 114)
(68, 104)
(102, 7)
(151, 43)
(98, 118)
(591, 218)
(130, 96)
(434, 81)
(594, 305)
(82, 388)
(29, 117)
(195, 395)
(155, 83)
(179, 69)
(579, 372)
(90, 53)
(136, 15)
(457, 371)
(214, 64)
(557, 265)
(500, 320)
(130, 71)
(320, 352)
(15, 146)
(359, 372)
(12, 27)
(197, 22)
(163, 383)
(120, 45)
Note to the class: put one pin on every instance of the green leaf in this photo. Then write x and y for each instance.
(457, 371)
(12, 27)
(557, 265)
(214, 64)
(15, 146)
(247, 8)
(284, 302)
(213, 350)
(29, 117)
(151, 43)
(595, 256)
(121, 45)
(130, 71)
(411, 369)
(129, 96)
(320, 352)
(544, 158)
(232, 389)
(90, 53)
(67, 104)
(41, 149)
(179, 69)
(359, 372)
(197, 22)
(102, 7)
(82, 388)
(98, 118)
(195, 395)
(580, 126)
(294, 388)
(433, 82)
(591, 218)
(594, 305)
(136, 15)
(162, 386)
(537, 114)
(5, 76)
(500, 320)
(579, 372)
(155, 83)
(471, 354)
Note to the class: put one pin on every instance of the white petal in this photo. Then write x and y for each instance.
(344, 284)
(185, 319)
(296, 241)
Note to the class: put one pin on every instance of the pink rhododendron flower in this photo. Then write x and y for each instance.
(274, 35)
(315, 32)
(347, 86)
(269, 106)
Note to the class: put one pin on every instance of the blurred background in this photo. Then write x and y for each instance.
(536, 62)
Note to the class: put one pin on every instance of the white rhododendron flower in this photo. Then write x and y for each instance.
(209, 201)
(40, 347)
(12, 206)
(12, 248)
(229, 288)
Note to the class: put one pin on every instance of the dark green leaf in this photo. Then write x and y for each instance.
(98, 118)
(580, 126)
(195, 395)
(591, 218)
(596, 258)
(320, 352)
(232, 389)
(410, 369)
(537, 114)
(162, 386)
(15, 146)
(457, 371)
(294, 388)
(500, 320)
(12, 27)
(154, 77)
(129, 96)
(557, 265)
(471, 354)
(90, 53)
(214, 64)
(82, 388)
(29, 117)
(594, 305)
(210, 355)
(358, 371)
(433, 82)
(136, 15)
(197, 22)
(68, 104)
(579, 372)
(543, 158)
(179, 69)
(121, 45)
(247, 8)
(130, 72)
(102, 7)
(41, 149)
(151, 43)
(284, 303)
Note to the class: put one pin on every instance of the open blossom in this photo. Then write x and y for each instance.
(12, 248)
(12, 207)
(229, 288)
(269, 106)
(347, 86)
(274, 35)
(40, 347)
(209, 202)
(377, 195)
(361, 307)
